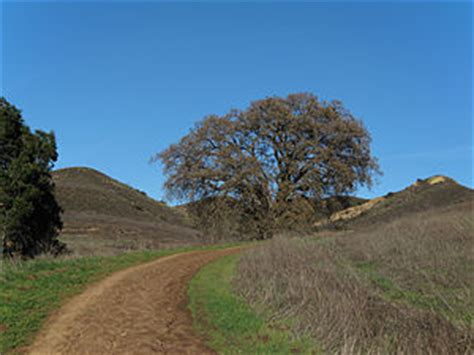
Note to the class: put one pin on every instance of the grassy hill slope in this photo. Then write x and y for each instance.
(397, 277)
(113, 214)
(437, 192)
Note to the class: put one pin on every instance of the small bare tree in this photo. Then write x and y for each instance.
(277, 152)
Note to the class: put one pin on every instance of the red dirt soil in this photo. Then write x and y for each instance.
(139, 310)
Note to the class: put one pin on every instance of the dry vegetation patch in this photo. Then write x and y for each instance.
(353, 212)
(436, 192)
(402, 287)
(103, 215)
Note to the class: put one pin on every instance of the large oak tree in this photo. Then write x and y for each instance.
(271, 157)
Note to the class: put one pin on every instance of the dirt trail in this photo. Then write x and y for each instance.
(139, 310)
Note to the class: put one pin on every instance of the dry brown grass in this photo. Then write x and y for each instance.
(431, 254)
(424, 195)
(103, 216)
(404, 287)
(86, 245)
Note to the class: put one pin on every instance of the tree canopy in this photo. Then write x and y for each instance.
(29, 214)
(272, 156)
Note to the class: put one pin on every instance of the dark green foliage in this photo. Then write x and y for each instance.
(29, 214)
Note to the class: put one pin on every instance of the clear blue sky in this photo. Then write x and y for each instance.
(120, 81)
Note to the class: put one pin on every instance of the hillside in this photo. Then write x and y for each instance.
(437, 192)
(335, 204)
(223, 218)
(105, 209)
(395, 278)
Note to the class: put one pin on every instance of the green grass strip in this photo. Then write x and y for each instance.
(457, 312)
(31, 290)
(228, 323)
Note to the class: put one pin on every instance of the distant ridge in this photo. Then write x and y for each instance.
(435, 192)
(97, 205)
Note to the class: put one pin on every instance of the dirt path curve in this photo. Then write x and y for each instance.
(139, 310)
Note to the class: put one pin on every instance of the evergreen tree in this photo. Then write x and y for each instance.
(30, 216)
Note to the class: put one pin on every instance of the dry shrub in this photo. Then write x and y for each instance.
(429, 253)
(319, 284)
(222, 219)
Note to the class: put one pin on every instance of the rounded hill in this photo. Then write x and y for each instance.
(97, 205)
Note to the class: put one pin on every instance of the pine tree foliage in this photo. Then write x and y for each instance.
(30, 217)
